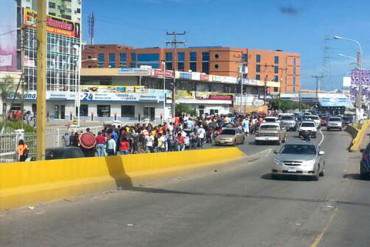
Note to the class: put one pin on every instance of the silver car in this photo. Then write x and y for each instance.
(299, 158)
(334, 123)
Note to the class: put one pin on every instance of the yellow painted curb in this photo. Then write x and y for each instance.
(41, 181)
(357, 141)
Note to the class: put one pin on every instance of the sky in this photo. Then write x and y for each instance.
(303, 26)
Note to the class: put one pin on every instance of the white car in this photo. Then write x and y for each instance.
(307, 126)
(271, 120)
(316, 119)
(334, 123)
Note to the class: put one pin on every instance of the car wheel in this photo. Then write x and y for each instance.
(322, 173)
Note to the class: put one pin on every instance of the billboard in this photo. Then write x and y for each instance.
(54, 25)
(8, 35)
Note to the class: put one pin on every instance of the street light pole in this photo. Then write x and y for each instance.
(359, 55)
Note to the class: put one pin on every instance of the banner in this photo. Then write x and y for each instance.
(8, 37)
(54, 25)
(360, 77)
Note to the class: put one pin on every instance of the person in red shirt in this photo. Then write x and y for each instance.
(124, 146)
(180, 142)
(101, 141)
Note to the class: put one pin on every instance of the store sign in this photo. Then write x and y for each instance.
(54, 25)
(220, 97)
(134, 71)
(158, 73)
(185, 75)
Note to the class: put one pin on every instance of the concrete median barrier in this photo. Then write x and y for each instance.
(28, 183)
(358, 136)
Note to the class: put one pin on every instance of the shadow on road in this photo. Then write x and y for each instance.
(255, 197)
(117, 172)
(355, 176)
(269, 176)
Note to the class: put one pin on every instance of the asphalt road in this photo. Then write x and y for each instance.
(234, 205)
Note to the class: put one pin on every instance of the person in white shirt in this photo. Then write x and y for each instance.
(111, 146)
(201, 133)
(150, 143)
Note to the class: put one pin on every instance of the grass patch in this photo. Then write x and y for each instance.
(13, 125)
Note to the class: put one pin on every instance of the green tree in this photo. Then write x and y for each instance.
(182, 108)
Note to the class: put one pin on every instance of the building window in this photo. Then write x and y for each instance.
(168, 66)
(205, 56)
(52, 5)
(276, 78)
(205, 67)
(181, 56)
(258, 77)
(112, 60)
(276, 60)
(258, 68)
(123, 59)
(216, 66)
(150, 57)
(217, 56)
(193, 66)
(258, 58)
(276, 69)
(180, 66)
(193, 56)
(84, 110)
(128, 111)
(103, 110)
(101, 60)
(169, 56)
(245, 58)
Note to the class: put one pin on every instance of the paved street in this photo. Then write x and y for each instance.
(234, 205)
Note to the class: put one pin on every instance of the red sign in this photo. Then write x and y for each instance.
(159, 73)
(220, 97)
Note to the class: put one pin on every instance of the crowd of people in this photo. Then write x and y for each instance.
(182, 133)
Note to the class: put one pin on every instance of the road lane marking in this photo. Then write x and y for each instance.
(319, 237)
(322, 137)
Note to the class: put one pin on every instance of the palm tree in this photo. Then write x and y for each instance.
(6, 88)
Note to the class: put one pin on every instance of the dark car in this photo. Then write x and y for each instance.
(63, 153)
(365, 163)
(348, 120)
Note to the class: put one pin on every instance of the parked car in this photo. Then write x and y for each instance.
(230, 136)
(63, 153)
(334, 123)
(307, 126)
(270, 132)
(365, 163)
(288, 122)
(299, 158)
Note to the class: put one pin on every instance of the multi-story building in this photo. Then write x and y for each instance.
(63, 52)
(263, 65)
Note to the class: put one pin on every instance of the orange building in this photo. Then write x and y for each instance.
(263, 65)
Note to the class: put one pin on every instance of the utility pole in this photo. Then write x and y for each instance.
(318, 79)
(173, 43)
(41, 78)
(91, 22)
(241, 73)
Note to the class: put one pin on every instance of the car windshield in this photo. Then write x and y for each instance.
(298, 149)
(314, 117)
(270, 120)
(228, 132)
(287, 118)
(269, 127)
(308, 125)
(335, 119)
